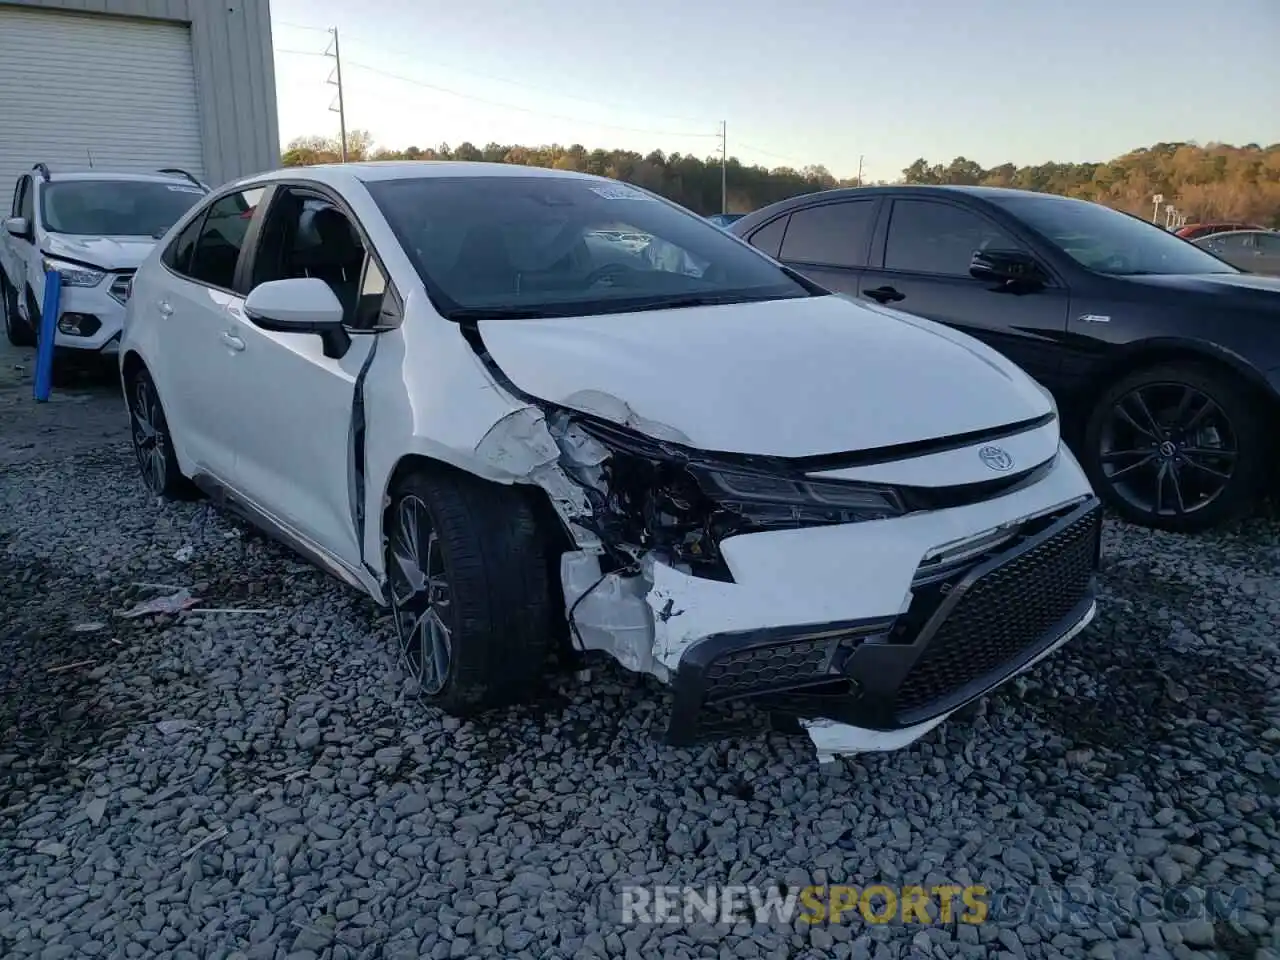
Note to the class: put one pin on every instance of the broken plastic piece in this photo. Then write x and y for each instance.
(832, 740)
(170, 603)
(183, 554)
(88, 627)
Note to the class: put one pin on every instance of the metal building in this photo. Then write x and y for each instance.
(137, 85)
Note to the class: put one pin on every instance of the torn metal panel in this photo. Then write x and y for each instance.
(607, 611)
(616, 410)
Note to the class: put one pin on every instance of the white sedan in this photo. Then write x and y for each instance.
(429, 379)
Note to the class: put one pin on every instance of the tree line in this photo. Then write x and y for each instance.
(1211, 182)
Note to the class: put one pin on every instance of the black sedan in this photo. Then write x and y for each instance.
(1165, 360)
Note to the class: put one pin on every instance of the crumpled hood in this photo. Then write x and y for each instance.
(786, 378)
(109, 253)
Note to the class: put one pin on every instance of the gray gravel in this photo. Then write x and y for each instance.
(257, 785)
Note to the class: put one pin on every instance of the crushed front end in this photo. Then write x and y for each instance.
(854, 592)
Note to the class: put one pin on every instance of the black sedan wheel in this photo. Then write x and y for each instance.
(1178, 447)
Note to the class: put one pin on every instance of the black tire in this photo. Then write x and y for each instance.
(495, 601)
(1213, 469)
(19, 332)
(152, 440)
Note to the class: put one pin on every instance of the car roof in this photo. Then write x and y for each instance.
(343, 174)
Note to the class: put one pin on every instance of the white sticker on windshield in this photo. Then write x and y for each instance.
(619, 192)
(183, 189)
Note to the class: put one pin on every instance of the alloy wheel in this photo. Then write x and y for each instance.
(1168, 449)
(420, 596)
(150, 439)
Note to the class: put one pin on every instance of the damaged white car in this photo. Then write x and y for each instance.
(445, 384)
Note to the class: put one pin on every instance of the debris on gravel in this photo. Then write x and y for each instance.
(196, 784)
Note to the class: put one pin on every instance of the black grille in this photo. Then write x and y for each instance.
(776, 666)
(1003, 614)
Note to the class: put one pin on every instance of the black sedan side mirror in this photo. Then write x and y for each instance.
(1006, 266)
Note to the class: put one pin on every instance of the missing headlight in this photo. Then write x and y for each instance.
(648, 494)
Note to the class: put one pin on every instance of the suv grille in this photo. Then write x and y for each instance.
(1004, 613)
(119, 288)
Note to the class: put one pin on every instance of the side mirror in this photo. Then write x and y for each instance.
(300, 305)
(1006, 266)
(20, 227)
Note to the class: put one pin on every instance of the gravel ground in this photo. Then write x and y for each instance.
(257, 785)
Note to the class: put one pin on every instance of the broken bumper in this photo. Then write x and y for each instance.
(963, 620)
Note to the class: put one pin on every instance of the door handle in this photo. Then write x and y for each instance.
(165, 308)
(884, 295)
(232, 342)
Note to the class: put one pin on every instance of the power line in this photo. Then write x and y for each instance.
(382, 48)
(510, 106)
(299, 53)
(774, 156)
(298, 26)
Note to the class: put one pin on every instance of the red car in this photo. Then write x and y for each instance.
(1193, 231)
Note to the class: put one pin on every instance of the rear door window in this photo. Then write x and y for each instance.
(218, 244)
(833, 235)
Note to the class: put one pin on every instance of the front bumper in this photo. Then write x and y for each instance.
(923, 613)
(967, 629)
(96, 311)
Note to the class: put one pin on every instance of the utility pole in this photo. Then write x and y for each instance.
(724, 168)
(859, 169)
(341, 109)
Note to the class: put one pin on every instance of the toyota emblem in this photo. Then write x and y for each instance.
(996, 458)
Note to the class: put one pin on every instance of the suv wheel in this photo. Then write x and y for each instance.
(468, 577)
(1177, 446)
(16, 329)
(152, 441)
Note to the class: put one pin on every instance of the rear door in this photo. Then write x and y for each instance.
(920, 264)
(192, 308)
(828, 242)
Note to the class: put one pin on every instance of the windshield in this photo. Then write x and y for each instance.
(1109, 241)
(115, 208)
(528, 247)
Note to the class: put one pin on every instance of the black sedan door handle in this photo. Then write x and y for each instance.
(884, 295)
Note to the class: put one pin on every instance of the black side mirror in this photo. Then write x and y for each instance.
(1006, 266)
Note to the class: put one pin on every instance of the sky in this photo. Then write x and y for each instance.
(831, 82)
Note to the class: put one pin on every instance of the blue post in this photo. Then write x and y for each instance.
(48, 331)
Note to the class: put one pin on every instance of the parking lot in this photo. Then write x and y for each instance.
(254, 782)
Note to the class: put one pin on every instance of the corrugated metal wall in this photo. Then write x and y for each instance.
(235, 74)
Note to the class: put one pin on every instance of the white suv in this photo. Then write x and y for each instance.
(94, 228)
(444, 384)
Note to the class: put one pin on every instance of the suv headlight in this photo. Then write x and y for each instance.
(73, 274)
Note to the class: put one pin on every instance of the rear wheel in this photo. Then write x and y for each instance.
(1178, 446)
(18, 331)
(467, 570)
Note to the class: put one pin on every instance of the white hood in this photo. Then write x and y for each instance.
(788, 378)
(109, 253)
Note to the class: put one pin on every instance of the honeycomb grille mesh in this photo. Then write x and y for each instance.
(771, 667)
(1004, 613)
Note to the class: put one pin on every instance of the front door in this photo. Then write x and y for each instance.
(293, 404)
(923, 268)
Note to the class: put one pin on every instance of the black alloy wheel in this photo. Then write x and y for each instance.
(1178, 448)
(420, 596)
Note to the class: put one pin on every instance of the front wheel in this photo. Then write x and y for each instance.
(1177, 446)
(18, 331)
(467, 570)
